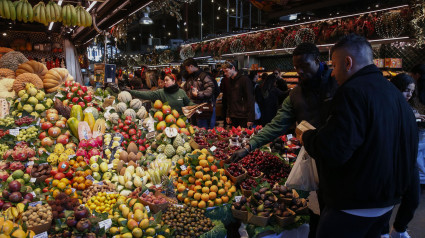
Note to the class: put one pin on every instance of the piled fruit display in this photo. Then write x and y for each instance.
(166, 117)
(187, 222)
(32, 101)
(130, 132)
(77, 94)
(126, 107)
(103, 202)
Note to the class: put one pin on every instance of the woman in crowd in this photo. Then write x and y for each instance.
(410, 200)
(171, 93)
(267, 96)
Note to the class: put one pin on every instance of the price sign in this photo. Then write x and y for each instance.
(34, 204)
(289, 136)
(183, 168)
(33, 194)
(148, 209)
(158, 185)
(14, 132)
(30, 163)
(178, 205)
(100, 183)
(238, 198)
(110, 166)
(146, 192)
(42, 235)
(109, 80)
(213, 148)
(32, 180)
(105, 223)
(59, 95)
(89, 177)
(73, 190)
(110, 193)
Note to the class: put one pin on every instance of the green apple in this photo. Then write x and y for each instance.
(96, 176)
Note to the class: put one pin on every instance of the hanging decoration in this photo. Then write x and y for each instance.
(119, 31)
(289, 43)
(171, 7)
(166, 57)
(186, 52)
(418, 23)
(237, 46)
(305, 35)
(390, 25)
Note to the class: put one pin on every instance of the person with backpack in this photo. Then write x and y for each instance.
(201, 88)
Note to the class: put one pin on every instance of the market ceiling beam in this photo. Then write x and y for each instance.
(307, 7)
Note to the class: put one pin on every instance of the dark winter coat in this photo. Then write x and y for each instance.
(240, 103)
(205, 87)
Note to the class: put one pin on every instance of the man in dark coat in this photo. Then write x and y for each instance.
(366, 151)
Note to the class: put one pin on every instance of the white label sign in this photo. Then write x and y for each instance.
(109, 80)
(213, 148)
(33, 194)
(110, 166)
(178, 205)
(146, 192)
(42, 235)
(105, 223)
(289, 136)
(183, 168)
(14, 132)
(148, 209)
(89, 177)
(73, 190)
(30, 163)
(34, 204)
(32, 180)
(238, 198)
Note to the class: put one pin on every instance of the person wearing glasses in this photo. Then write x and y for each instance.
(309, 101)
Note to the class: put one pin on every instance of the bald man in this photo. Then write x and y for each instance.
(367, 148)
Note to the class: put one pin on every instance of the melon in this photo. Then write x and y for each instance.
(121, 107)
(84, 131)
(136, 104)
(142, 113)
(93, 111)
(124, 97)
(114, 117)
(130, 112)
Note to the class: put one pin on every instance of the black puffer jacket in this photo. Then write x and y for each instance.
(203, 82)
(240, 103)
(367, 148)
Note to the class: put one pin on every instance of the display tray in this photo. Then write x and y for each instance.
(258, 220)
(236, 180)
(240, 215)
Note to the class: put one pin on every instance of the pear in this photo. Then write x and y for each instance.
(33, 101)
(32, 91)
(28, 108)
(103, 167)
(21, 93)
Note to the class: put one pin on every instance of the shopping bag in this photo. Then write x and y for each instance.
(303, 175)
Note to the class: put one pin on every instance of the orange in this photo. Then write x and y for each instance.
(225, 199)
(184, 172)
(214, 168)
(75, 185)
(81, 186)
(221, 191)
(56, 193)
(190, 193)
(198, 182)
(198, 168)
(198, 187)
(210, 203)
(65, 180)
(55, 183)
(181, 188)
(191, 180)
(219, 184)
(210, 159)
(203, 163)
(205, 197)
(232, 189)
(207, 169)
(218, 201)
(61, 185)
(76, 166)
(88, 183)
(229, 194)
(192, 187)
(88, 172)
(224, 178)
(180, 161)
(202, 157)
(82, 163)
(197, 196)
(202, 204)
(72, 162)
(186, 201)
(214, 188)
(205, 190)
(199, 174)
(68, 191)
(173, 173)
(180, 197)
(212, 195)
(80, 158)
(194, 203)
(7, 227)
(208, 183)
(206, 177)
(214, 178)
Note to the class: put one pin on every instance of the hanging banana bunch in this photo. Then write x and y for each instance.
(40, 14)
(83, 17)
(7, 10)
(53, 12)
(24, 11)
(69, 15)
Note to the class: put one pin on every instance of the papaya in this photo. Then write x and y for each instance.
(84, 131)
(89, 118)
(99, 128)
(73, 126)
(77, 112)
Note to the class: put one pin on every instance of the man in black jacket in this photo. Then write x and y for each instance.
(240, 104)
(199, 88)
(366, 151)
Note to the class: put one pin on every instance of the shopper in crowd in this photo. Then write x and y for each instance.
(121, 80)
(225, 89)
(240, 104)
(171, 93)
(199, 87)
(418, 73)
(410, 200)
(253, 76)
(267, 97)
(151, 79)
(281, 85)
(310, 101)
(366, 151)
(136, 84)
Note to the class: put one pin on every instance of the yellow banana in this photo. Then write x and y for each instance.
(12, 11)
(36, 13)
(24, 12)
(19, 11)
(1, 9)
(83, 18)
(30, 12)
(6, 9)
(48, 16)
(43, 15)
(64, 15)
(58, 10)
(88, 19)
(68, 14)
(73, 16)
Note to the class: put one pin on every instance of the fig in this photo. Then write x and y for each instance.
(7, 205)
(71, 222)
(15, 197)
(81, 212)
(14, 186)
(5, 194)
(83, 225)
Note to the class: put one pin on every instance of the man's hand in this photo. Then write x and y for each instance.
(228, 120)
(239, 154)
(249, 124)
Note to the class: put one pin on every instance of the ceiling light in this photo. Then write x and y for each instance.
(146, 20)
(218, 18)
(5, 34)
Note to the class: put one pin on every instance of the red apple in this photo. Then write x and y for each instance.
(54, 131)
(132, 132)
(45, 190)
(77, 84)
(59, 176)
(82, 104)
(53, 172)
(71, 145)
(87, 98)
(84, 88)
(127, 122)
(80, 93)
(125, 128)
(48, 180)
(69, 174)
(133, 137)
(42, 135)
(46, 142)
(75, 100)
(52, 117)
(46, 125)
(63, 139)
(142, 148)
(63, 166)
(69, 95)
(74, 89)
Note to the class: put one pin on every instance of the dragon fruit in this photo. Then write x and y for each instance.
(81, 152)
(19, 155)
(3, 175)
(7, 154)
(16, 165)
(92, 143)
(93, 152)
(83, 143)
(99, 141)
(4, 165)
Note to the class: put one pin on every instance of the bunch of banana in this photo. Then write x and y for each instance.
(69, 15)
(24, 11)
(83, 17)
(14, 212)
(53, 12)
(7, 10)
(40, 14)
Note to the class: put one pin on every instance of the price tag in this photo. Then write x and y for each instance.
(73, 190)
(32, 180)
(178, 205)
(110, 166)
(105, 223)
(59, 95)
(148, 209)
(289, 136)
(42, 235)
(89, 177)
(30, 163)
(158, 186)
(146, 192)
(109, 80)
(14, 132)
(34, 204)
(33, 194)
(213, 148)
(183, 167)
(71, 156)
(99, 183)
(238, 198)
(110, 193)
